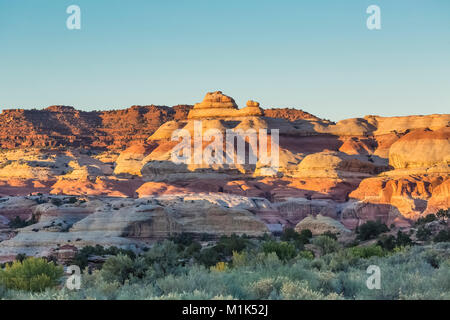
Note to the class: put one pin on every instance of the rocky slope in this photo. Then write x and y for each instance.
(62, 126)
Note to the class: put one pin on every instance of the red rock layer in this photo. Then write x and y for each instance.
(61, 126)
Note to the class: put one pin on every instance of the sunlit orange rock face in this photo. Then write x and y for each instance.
(62, 126)
(390, 168)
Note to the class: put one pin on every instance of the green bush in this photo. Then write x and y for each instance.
(326, 244)
(428, 218)
(17, 223)
(305, 254)
(370, 230)
(367, 252)
(208, 257)
(443, 214)
(330, 234)
(163, 258)
(31, 274)
(423, 233)
(300, 290)
(442, 236)
(403, 239)
(298, 239)
(387, 242)
(223, 250)
(226, 245)
(121, 268)
(81, 258)
(284, 250)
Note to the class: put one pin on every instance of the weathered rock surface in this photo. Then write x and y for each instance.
(320, 224)
(395, 169)
(130, 223)
(422, 150)
(61, 126)
(217, 105)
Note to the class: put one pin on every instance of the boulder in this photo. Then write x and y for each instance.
(320, 224)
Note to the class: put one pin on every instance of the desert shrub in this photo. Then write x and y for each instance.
(298, 239)
(423, 233)
(443, 214)
(330, 234)
(265, 288)
(208, 257)
(196, 279)
(121, 268)
(192, 250)
(387, 242)
(262, 288)
(305, 254)
(184, 239)
(432, 257)
(442, 236)
(3, 292)
(223, 250)
(226, 245)
(239, 259)
(403, 239)
(290, 234)
(306, 233)
(17, 223)
(20, 257)
(371, 229)
(342, 260)
(424, 220)
(219, 267)
(296, 290)
(137, 291)
(284, 250)
(326, 244)
(31, 274)
(81, 258)
(163, 258)
(367, 252)
(56, 201)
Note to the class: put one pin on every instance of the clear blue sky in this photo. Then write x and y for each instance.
(316, 55)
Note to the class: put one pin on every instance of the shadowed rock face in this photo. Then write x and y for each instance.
(395, 169)
(61, 126)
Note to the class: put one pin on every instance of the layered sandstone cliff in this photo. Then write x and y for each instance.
(395, 169)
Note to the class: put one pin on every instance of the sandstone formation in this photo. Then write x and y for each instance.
(129, 223)
(61, 126)
(109, 178)
(320, 224)
(217, 105)
(422, 151)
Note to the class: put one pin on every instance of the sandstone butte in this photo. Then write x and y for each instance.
(118, 163)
